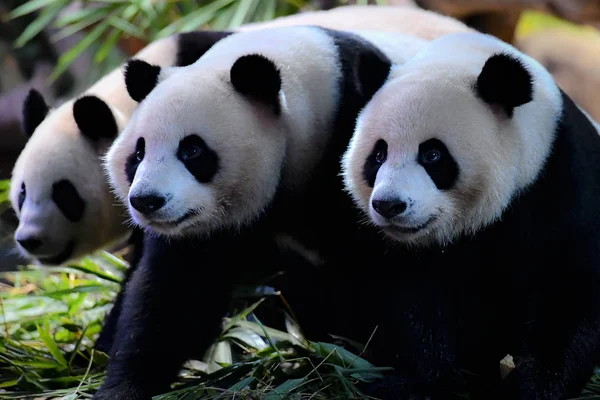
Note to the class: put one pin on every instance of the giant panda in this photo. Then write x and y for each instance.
(219, 158)
(68, 140)
(483, 177)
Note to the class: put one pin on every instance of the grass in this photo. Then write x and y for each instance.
(50, 317)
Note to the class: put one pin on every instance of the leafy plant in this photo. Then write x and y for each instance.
(107, 22)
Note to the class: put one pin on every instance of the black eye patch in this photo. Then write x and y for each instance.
(68, 200)
(134, 159)
(199, 159)
(439, 163)
(374, 161)
(22, 195)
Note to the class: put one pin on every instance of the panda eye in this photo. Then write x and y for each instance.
(381, 156)
(140, 149)
(139, 155)
(431, 156)
(190, 152)
(22, 195)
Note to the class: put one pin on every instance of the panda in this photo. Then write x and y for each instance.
(69, 139)
(220, 157)
(59, 191)
(483, 176)
(80, 216)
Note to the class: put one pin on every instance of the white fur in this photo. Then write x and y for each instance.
(57, 144)
(252, 144)
(432, 96)
(57, 150)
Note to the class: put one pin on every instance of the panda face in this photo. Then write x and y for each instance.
(419, 173)
(443, 148)
(59, 191)
(197, 156)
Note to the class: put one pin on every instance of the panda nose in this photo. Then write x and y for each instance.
(389, 208)
(147, 204)
(30, 244)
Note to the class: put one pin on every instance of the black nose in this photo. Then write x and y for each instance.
(389, 208)
(30, 244)
(147, 204)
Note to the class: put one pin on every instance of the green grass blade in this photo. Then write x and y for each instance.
(29, 7)
(41, 22)
(52, 346)
(67, 59)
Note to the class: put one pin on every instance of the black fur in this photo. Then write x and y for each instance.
(192, 45)
(134, 159)
(67, 199)
(35, 110)
(444, 171)
(94, 118)
(257, 77)
(140, 78)
(204, 163)
(528, 286)
(109, 328)
(505, 81)
(22, 195)
(156, 295)
(372, 165)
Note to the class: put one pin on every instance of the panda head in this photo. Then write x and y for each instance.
(456, 133)
(58, 188)
(204, 148)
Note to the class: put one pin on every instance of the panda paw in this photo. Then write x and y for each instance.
(123, 392)
(396, 388)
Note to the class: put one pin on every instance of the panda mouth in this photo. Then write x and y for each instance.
(60, 257)
(173, 223)
(411, 229)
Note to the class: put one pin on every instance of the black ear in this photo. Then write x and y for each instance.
(256, 76)
(372, 70)
(505, 81)
(35, 110)
(94, 118)
(140, 78)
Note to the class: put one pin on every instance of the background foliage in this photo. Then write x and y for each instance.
(108, 22)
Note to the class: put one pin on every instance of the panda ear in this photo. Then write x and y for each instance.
(35, 110)
(505, 81)
(94, 118)
(140, 78)
(372, 70)
(256, 76)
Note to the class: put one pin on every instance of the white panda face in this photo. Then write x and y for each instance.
(458, 131)
(414, 164)
(60, 194)
(197, 156)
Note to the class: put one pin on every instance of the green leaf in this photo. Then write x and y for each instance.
(29, 7)
(126, 27)
(52, 346)
(241, 384)
(67, 59)
(80, 15)
(108, 45)
(78, 26)
(284, 390)
(93, 269)
(44, 19)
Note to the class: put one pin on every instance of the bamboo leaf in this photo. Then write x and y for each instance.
(67, 59)
(126, 27)
(46, 16)
(108, 45)
(29, 7)
(283, 391)
(52, 346)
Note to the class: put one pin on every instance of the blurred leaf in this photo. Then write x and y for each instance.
(67, 59)
(283, 391)
(29, 7)
(46, 16)
(52, 346)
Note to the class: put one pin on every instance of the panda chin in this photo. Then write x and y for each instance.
(409, 232)
(61, 257)
(177, 226)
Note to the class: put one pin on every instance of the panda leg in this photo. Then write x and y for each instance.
(560, 357)
(166, 294)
